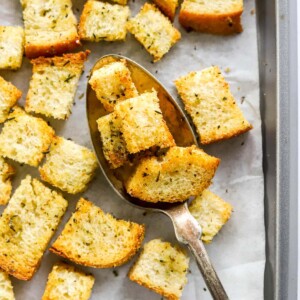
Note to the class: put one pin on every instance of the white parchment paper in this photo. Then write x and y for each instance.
(238, 251)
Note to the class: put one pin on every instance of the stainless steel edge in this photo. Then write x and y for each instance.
(277, 41)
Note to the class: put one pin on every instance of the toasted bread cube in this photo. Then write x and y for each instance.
(168, 7)
(9, 95)
(154, 31)
(162, 268)
(179, 174)
(67, 283)
(96, 239)
(103, 21)
(11, 47)
(53, 84)
(6, 171)
(50, 27)
(68, 166)
(216, 17)
(142, 123)
(6, 288)
(211, 212)
(27, 225)
(25, 138)
(207, 98)
(112, 84)
(113, 144)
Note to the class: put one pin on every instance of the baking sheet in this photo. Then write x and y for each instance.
(238, 251)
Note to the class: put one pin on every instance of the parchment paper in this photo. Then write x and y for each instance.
(238, 251)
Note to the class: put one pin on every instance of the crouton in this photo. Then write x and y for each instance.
(216, 17)
(68, 166)
(179, 174)
(162, 268)
(27, 225)
(211, 212)
(6, 171)
(154, 31)
(50, 27)
(9, 95)
(67, 283)
(112, 84)
(6, 288)
(25, 138)
(103, 21)
(113, 144)
(207, 98)
(95, 239)
(11, 47)
(168, 7)
(53, 84)
(142, 123)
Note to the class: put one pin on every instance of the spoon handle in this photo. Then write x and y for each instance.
(188, 231)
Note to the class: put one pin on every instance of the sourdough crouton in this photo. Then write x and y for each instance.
(216, 17)
(180, 174)
(27, 225)
(11, 47)
(142, 123)
(9, 95)
(112, 84)
(50, 27)
(95, 239)
(67, 283)
(53, 84)
(103, 21)
(6, 288)
(25, 138)
(6, 171)
(162, 268)
(154, 31)
(68, 166)
(113, 144)
(211, 212)
(168, 7)
(207, 98)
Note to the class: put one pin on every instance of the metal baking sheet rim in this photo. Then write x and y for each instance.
(277, 40)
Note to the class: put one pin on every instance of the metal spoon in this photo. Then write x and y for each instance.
(187, 229)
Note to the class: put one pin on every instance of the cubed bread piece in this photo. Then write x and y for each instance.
(168, 7)
(67, 283)
(113, 144)
(154, 31)
(216, 17)
(9, 95)
(6, 288)
(68, 166)
(112, 84)
(53, 84)
(207, 98)
(96, 239)
(176, 176)
(142, 123)
(11, 47)
(162, 268)
(25, 138)
(211, 212)
(50, 27)
(6, 171)
(27, 225)
(103, 21)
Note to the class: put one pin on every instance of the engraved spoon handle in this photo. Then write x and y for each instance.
(188, 231)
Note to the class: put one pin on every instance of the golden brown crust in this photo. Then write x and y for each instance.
(222, 24)
(71, 230)
(167, 8)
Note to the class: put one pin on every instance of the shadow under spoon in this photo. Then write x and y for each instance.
(187, 229)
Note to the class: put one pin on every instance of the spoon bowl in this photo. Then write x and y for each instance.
(186, 228)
